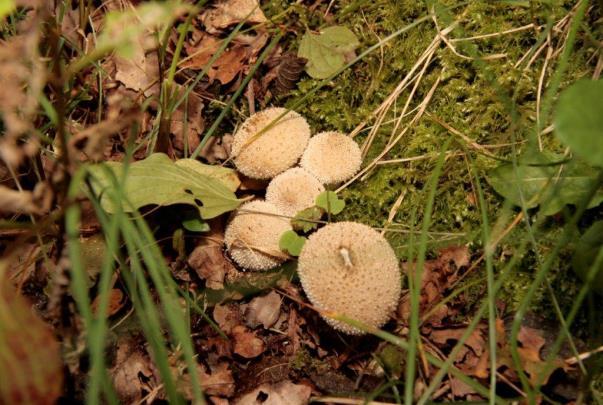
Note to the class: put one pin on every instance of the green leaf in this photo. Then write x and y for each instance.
(193, 222)
(158, 180)
(579, 120)
(307, 219)
(291, 243)
(227, 176)
(587, 249)
(6, 7)
(543, 182)
(251, 283)
(328, 201)
(326, 51)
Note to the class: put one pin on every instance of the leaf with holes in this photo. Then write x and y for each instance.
(328, 201)
(579, 120)
(157, 180)
(326, 51)
(541, 180)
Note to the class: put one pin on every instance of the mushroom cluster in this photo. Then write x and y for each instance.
(345, 267)
(268, 146)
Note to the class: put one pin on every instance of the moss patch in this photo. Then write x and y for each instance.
(466, 99)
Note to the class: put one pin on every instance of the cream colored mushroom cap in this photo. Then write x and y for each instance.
(332, 157)
(293, 191)
(273, 151)
(349, 268)
(253, 233)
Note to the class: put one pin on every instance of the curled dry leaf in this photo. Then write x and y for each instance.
(231, 12)
(246, 343)
(263, 310)
(209, 262)
(284, 392)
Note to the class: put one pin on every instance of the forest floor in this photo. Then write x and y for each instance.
(454, 106)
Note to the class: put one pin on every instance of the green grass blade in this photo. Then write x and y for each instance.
(417, 274)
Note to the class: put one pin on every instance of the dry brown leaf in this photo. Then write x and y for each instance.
(217, 149)
(438, 275)
(231, 62)
(246, 343)
(140, 72)
(231, 12)
(263, 310)
(116, 302)
(134, 373)
(209, 263)
(227, 317)
(219, 382)
(282, 393)
(187, 123)
(32, 373)
(22, 78)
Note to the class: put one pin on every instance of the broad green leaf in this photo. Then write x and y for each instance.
(251, 283)
(6, 7)
(123, 29)
(328, 201)
(579, 120)
(225, 175)
(325, 51)
(587, 249)
(542, 182)
(158, 180)
(291, 243)
(307, 219)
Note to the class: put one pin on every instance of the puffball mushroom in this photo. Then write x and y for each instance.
(293, 191)
(332, 157)
(253, 233)
(349, 268)
(263, 155)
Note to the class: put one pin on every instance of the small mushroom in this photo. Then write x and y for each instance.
(293, 191)
(332, 157)
(253, 233)
(349, 268)
(264, 153)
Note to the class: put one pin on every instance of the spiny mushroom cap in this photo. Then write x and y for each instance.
(293, 191)
(252, 236)
(273, 151)
(349, 268)
(332, 157)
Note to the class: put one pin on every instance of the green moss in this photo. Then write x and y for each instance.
(472, 97)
